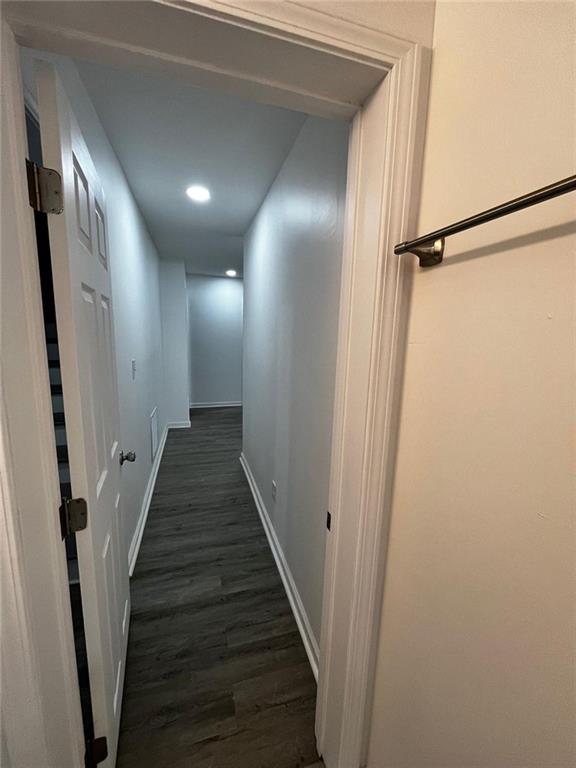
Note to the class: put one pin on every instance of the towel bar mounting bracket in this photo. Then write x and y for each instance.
(430, 255)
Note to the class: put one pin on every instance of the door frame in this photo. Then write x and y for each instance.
(42, 723)
(384, 169)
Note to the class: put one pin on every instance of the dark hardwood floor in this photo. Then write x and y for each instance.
(217, 676)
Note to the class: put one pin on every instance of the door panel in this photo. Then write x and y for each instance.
(84, 314)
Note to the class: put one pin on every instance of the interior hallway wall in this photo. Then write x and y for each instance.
(134, 271)
(215, 307)
(292, 261)
(477, 650)
(174, 311)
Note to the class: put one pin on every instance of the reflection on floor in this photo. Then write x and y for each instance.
(217, 675)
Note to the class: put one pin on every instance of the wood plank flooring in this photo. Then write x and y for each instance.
(217, 676)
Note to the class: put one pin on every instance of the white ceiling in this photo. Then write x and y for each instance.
(168, 135)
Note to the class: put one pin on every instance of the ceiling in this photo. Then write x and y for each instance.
(169, 135)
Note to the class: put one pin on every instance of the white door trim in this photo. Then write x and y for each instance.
(383, 184)
(385, 156)
(41, 718)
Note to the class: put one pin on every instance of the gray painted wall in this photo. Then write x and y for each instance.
(292, 261)
(215, 339)
(174, 305)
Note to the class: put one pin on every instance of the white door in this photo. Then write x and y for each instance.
(80, 264)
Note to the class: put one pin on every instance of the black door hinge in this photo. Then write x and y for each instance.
(328, 520)
(96, 751)
(44, 188)
(73, 516)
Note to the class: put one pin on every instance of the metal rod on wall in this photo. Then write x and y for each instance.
(430, 248)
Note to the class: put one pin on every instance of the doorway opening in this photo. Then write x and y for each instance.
(351, 71)
(219, 227)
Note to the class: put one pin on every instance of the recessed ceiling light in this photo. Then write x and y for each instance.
(198, 193)
(231, 273)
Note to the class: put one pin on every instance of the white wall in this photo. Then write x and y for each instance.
(477, 651)
(292, 261)
(134, 270)
(215, 340)
(174, 310)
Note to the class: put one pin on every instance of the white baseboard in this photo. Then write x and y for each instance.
(178, 424)
(310, 642)
(229, 404)
(139, 532)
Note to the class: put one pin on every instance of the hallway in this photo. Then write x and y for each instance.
(217, 676)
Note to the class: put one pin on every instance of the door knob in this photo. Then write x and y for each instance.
(130, 456)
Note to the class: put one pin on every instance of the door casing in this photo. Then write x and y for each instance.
(386, 94)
